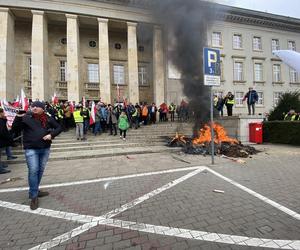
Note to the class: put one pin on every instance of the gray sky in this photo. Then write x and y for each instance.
(282, 7)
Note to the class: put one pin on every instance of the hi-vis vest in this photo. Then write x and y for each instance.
(77, 117)
(230, 101)
(293, 117)
(145, 111)
(172, 108)
(135, 113)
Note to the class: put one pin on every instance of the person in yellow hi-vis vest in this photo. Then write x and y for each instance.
(229, 102)
(78, 118)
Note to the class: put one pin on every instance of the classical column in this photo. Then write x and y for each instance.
(104, 69)
(39, 56)
(7, 44)
(158, 66)
(133, 86)
(73, 65)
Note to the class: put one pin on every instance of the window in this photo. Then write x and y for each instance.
(93, 72)
(258, 72)
(216, 39)
(143, 75)
(292, 45)
(260, 101)
(275, 44)
(276, 97)
(293, 76)
(257, 45)
(239, 96)
(29, 69)
(276, 73)
(238, 71)
(237, 41)
(92, 44)
(62, 70)
(118, 74)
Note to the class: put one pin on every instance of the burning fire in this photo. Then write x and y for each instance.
(220, 135)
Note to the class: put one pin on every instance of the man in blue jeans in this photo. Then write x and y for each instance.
(38, 131)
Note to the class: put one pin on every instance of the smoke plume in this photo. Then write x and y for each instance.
(185, 24)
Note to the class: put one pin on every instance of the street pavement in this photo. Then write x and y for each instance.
(165, 200)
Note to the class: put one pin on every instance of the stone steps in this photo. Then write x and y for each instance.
(146, 139)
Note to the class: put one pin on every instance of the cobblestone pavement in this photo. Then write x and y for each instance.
(158, 201)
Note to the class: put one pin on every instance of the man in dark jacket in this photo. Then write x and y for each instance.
(38, 131)
(252, 98)
(5, 139)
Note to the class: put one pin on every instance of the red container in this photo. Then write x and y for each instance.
(256, 132)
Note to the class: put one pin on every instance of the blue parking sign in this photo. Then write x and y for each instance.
(211, 67)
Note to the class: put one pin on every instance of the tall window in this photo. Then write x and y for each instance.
(237, 41)
(275, 44)
(29, 69)
(260, 101)
(93, 72)
(276, 73)
(62, 71)
(292, 45)
(217, 39)
(257, 45)
(239, 96)
(258, 72)
(118, 74)
(143, 75)
(293, 76)
(276, 97)
(238, 71)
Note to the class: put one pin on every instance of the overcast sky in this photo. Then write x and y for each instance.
(282, 7)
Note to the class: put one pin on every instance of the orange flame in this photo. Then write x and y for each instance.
(220, 135)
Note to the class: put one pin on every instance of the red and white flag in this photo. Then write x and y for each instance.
(24, 101)
(83, 102)
(93, 113)
(17, 102)
(71, 107)
(55, 99)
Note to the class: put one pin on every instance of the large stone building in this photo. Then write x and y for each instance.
(114, 50)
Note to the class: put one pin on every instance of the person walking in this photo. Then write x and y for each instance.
(229, 102)
(123, 125)
(220, 104)
(78, 118)
(5, 140)
(38, 132)
(252, 98)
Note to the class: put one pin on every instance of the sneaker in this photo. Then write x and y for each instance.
(42, 193)
(124, 139)
(4, 171)
(83, 139)
(121, 136)
(34, 204)
(11, 158)
(77, 139)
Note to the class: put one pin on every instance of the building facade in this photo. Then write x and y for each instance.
(114, 50)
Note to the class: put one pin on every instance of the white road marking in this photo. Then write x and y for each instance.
(92, 221)
(79, 230)
(257, 195)
(102, 179)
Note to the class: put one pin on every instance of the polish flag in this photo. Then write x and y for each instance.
(93, 113)
(24, 101)
(54, 99)
(17, 102)
(83, 102)
(71, 107)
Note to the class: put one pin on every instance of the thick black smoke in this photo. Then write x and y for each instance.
(186, 22)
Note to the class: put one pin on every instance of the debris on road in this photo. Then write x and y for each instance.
(219, 191)
(11, 180)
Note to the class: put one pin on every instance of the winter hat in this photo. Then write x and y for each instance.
(38, 104)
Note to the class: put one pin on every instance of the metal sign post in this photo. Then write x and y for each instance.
(212, 77)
